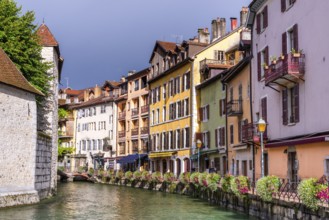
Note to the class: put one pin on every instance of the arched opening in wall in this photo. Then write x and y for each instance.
(186, 165)
(178, 165)
(164, 166)
(171, 166)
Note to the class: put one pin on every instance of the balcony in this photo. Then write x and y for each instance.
(122, 116)
(122, 134)
(287, 70)
(145, 109)
(208, 64)
(250, 133)
(135, 150)
(134, 112)
(245, 39)
(134, 131)
(234, 108)
(144, 130)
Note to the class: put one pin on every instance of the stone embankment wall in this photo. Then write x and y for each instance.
(251, 205)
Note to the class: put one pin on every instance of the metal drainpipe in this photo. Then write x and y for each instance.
(191, 110)
(226, 130)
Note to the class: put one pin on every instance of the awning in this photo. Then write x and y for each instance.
(132, 158)
(204, 152)
(161, 154)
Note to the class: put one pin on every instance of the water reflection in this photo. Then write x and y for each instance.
(95, 201)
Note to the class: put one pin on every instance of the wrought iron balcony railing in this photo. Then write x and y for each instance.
(234, 108)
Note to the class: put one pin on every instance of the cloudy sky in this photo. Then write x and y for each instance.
(104, 39)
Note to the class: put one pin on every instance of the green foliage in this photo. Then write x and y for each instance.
(213, 180)
(172, 187)
(194, 178)
(62, 151)
(267, 186)
(308, 190)
(169, 177)
(203, 179)
(91, 171)
(226, 183)
(156, 177)
(240, 186)
(110, 173)
(137, 175)
(81, 169)
(129, 175)
(62, 113)
(119, 174)
(19, 40)
(145, 176)
(184, 178)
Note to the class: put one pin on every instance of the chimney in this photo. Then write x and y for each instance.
(234, 23)
(203, 35)
(215, 30)
(98, 91)
(123, 79)
(222, 27)
(131, 72)
(243, 16)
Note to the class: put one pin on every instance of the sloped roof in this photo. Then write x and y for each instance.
(10, 75)
(46, 37)
(167, 46)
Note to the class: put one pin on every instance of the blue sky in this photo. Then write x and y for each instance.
(104, 39)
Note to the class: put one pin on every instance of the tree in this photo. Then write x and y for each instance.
(19, 40)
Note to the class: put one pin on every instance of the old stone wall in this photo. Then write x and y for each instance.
(18, 138)
(43, 170)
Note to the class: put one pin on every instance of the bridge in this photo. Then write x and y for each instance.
(64, 176)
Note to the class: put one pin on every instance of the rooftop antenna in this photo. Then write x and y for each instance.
(43, 20)
(67, 82)
(178, 38)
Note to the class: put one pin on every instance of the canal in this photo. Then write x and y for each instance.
(97, 201)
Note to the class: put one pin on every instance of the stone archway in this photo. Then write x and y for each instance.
(178, 167)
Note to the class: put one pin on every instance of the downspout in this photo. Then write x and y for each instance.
(192, 103)
(226, 130)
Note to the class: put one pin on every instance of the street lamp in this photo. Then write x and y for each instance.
(198, 144)
(261, 128)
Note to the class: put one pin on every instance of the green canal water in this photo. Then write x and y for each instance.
(97, 201)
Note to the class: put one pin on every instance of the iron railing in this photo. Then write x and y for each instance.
(234, 107)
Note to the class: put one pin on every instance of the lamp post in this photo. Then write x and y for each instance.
(261, 128)
(139, 161)
(198, 144)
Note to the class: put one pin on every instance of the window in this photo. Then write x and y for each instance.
(286, 4)
(186, 107)
(179, 109)
(219, 55)
(237, 167)
(111, 119)
(290, 105)
(222, 107)
(136, 84)
(164, 113)
(170, 88)
(262, 20)
(290, 40)
(177, 85)
(204, 113)
(241, 123)
(144, 82)
(111, 134)
(326, 166)
(217, 163)
(172, 111)
(178, 139)
(164, 90)
(158, 116)
(220, 137)
(206, 139)
(231, 134)
(262, 59)
(153, 117)
(186, 137)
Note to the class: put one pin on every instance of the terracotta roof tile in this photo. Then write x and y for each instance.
(10, 75)
(168, 46)
(46, 37)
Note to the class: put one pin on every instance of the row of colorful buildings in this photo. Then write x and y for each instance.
(196, 107)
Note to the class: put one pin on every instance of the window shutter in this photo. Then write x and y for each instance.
(284, 43)
(198, 136)
(239, 131)
(182, 108)
(160, 144)
(187, 107)
(231, 134)
(220, 108)
(295, 30)
(224, 106)
(188, 76)
(296, 102)
(285, 106)
(264, 108)
(174, 111)
(183, 82)
(259, 65)
(265, 22)
(208, 139)
(208, 116)
(216, 137)
(215, 54)
(187, 137)
(266, 58)
(223, 135)
(200, 114)
(181, 140)
(178, 85)
(283, 5)
(174, 139)
(258, 24)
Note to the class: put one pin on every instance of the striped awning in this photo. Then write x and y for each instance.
(161, 154)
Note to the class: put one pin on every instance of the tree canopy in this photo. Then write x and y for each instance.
(19, 40)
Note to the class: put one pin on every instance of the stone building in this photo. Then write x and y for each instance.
(18, 136)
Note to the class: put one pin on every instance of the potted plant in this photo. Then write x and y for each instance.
(273, 59)
(296, 53)
(267, 186)
(265, 66)
(282, 56)
(240, 186)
